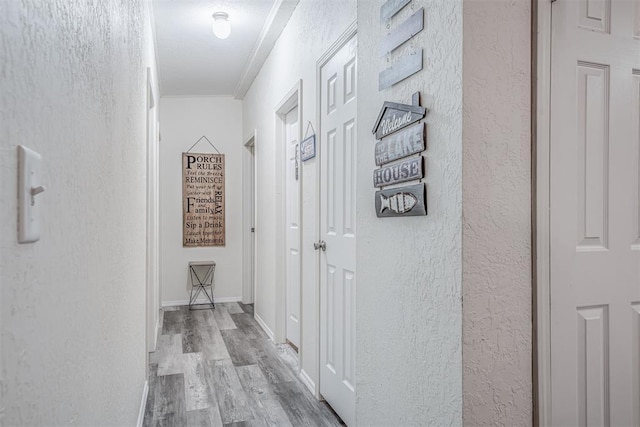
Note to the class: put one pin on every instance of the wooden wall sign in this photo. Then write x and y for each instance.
(405, 67)
(308, 148)
(401, 135)
(203, 200)
(402, 201)
(402, 33)
(390, 8)
(401, 144)
(394, 116)
(399, 172)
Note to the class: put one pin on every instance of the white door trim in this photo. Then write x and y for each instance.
(152, 219)
(344, 38)
(542, 213)
(293, 232)
(292, 99)
(248, 204)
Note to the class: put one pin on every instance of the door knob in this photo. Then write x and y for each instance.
(320, 245)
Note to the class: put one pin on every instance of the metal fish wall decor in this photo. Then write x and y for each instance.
(398, 203)
(402, 201)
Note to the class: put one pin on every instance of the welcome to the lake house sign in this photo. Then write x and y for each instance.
(400, 135)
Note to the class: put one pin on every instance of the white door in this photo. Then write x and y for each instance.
(338, 231)
(595, 226)
(293, 227)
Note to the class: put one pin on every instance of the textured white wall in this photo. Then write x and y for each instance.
(73, 88)
(409, 311)
(312, 29)
(409, 366)
(183, 121)
(497, 213)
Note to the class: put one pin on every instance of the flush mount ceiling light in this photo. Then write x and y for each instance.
(221, 25)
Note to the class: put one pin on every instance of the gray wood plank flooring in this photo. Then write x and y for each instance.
(236, 342)
(263, 401)
(218, 368)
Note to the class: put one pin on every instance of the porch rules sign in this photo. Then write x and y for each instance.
(203, 221)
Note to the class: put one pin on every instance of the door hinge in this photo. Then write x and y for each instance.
(253, 229)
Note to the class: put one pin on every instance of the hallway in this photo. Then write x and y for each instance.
(162, 143)
(217, 367)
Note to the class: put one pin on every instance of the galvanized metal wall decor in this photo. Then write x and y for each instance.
(402, 201)
(400, 137)
(401, 144)
(400, 70)
(399, 172)
(394, 116)
(402, 33)
(390, 8)
(409, 64)
(308, 148)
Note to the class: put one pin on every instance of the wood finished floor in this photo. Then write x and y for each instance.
(218, 368)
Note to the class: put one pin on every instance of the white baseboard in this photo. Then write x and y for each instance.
(306, 380)
(264, 327)
(200, 301)
(143, 404)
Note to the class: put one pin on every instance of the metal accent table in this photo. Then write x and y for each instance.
(201, 278)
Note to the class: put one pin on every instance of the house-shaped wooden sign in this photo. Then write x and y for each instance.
(394, 116)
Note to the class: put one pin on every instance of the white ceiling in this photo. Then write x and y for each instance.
(192, 61)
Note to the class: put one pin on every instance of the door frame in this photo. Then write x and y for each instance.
(249, 207)
(152, 270)
(541, 254)
(292, 99)
(344, 38)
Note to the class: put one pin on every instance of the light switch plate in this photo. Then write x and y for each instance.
(29, 163)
